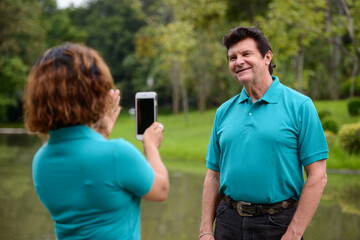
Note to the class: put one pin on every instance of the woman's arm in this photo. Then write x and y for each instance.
(152, 141)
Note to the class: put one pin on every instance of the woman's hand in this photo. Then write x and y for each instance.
(106, 124)
(153, 135)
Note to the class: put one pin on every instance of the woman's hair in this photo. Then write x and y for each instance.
(241, 33)
(68, 85)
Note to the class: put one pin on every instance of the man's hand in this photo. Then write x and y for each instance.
(210, 202)
(309, 200)
(207, 237)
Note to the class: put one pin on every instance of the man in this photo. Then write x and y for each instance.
(262, 140)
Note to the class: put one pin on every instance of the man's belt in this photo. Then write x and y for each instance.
(247, 209)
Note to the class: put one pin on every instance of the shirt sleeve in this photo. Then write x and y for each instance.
(312, 142)
(134, 173)
(213, 151)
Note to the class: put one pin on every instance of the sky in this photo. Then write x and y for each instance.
(67, 3)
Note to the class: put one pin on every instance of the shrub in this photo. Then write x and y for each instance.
(354, 107)
(349, 136)
(323, 114)
(330, 138)
(330, 125)
(327, 122)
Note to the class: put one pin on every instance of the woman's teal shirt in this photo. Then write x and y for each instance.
(91, 186)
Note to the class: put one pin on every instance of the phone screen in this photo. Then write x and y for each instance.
(145, 114)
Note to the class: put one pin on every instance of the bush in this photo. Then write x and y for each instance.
(327, 122)
(330, 125)
(349, 136)
(323, 114)
(330, 138)
(354, 107)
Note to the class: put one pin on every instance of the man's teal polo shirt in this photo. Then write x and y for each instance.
(260, 148)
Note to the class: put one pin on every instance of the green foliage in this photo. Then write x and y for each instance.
(354, 107)
(144, 39)
(339, 111)
(60, 29)
(330, 125)
(13, 74)
(345, 87)
(110, 26)
(330, 138)
(324, 113)
(349, 136)
(237, 12)
(21, 34)
(297, 24)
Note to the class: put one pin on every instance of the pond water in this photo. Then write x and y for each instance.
(22, 216)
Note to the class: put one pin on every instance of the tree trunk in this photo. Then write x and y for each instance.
(333, 86)
(174, 75)
(203, 75)
(353, 77)
(203, 88)
(203, 94)
(332, 60)
(299, 66)
(185, 99)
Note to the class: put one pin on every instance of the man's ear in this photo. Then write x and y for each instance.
(268, 57)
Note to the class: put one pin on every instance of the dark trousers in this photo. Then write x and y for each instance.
(230, 225)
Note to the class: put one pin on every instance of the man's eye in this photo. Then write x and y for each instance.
(232, 58)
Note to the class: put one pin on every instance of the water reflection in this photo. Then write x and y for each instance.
(22, 216)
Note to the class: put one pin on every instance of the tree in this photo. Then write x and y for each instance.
(206, 17)
(21, 42)
(111, 26)
(12, 76)
(177, 42)
(187, 32)
(298, 25)
(354, 41)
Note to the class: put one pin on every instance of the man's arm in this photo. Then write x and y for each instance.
(210, 202)
(309, 200)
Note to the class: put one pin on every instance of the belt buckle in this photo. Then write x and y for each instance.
(240, 207)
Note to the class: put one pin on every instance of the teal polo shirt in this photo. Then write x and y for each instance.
(260, 148)
(91, 186)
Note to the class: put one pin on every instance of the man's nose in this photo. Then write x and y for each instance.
(239, 61)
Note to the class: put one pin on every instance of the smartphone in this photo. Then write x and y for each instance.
(146, 111)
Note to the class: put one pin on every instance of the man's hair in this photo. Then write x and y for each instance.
(68, 85)
(241, 33)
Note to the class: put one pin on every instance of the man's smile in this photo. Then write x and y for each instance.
(242, 70)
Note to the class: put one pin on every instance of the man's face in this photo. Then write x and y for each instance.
(246, 62)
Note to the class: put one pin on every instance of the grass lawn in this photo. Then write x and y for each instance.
(338, 109)
(185, 143)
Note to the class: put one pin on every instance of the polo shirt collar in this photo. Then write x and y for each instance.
(72, 133)
(272, 95)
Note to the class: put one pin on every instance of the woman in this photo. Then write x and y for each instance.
(91, 186)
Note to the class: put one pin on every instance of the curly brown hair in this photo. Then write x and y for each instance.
(68, 85)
